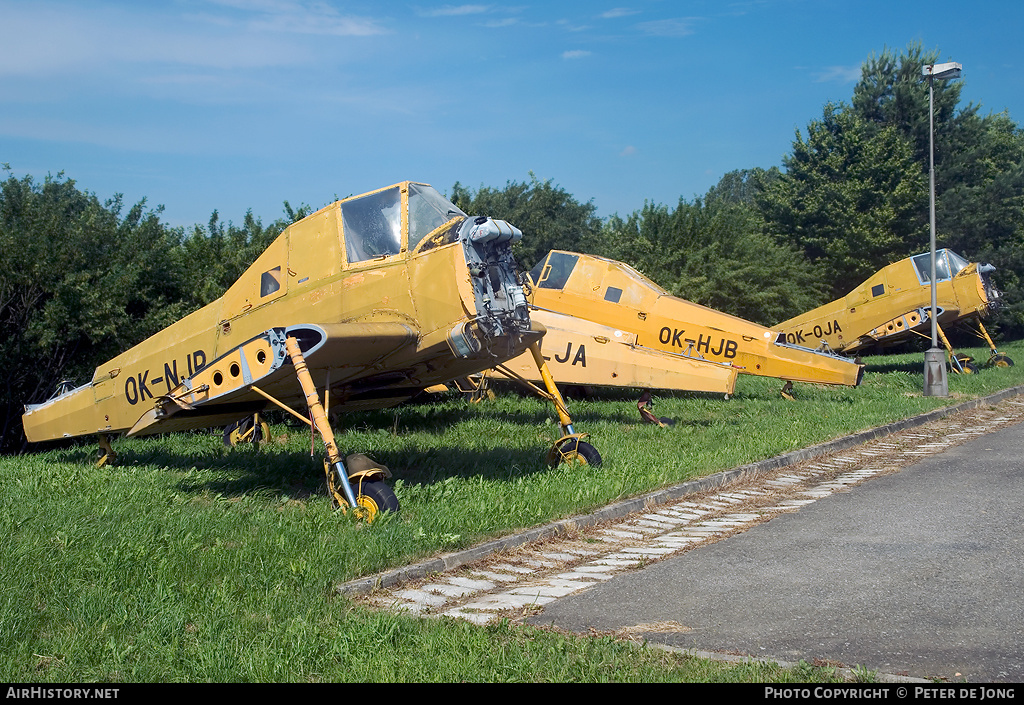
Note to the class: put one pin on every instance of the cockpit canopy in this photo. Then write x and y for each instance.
(373, 224)
(594, 273)
(947, 265)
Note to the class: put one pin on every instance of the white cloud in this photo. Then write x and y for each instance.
(456, 10)
(575, 54)
(572, 26)
(629, 151)
(507, 22)
(65, 37)
(839, 74)
(618, 12)
(301, 17)
(674, 27)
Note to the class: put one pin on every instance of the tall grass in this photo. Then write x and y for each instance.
(189, 561)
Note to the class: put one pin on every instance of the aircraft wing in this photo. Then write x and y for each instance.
(225, 389)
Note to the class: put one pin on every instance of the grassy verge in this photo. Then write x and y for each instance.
(192, 562)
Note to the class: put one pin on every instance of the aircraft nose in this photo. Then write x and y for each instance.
(986, 268)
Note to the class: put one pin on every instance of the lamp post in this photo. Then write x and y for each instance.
(935, 382)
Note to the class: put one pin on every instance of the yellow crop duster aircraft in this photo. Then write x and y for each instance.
(895, 304)
(640, 335)
(369, 300)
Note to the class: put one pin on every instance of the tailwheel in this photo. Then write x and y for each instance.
(1000, 360)
(787, 390)
(644, 406)
(105, 454)
(251, 429)
(574, 451)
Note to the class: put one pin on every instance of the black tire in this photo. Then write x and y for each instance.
(374, 497)
(578, 452)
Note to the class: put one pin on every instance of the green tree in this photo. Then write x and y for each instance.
(893, 93)
(550, 217)
(82, 280)
(851, 197)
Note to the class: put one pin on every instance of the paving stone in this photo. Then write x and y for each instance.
(508, 568)
(507, 600)
(622, 534)
(549, 591)
(649, 551)
(561, 557)
(656, 525)
(538, 563)
(421, 597)
(470, 583)
(449, 590)
(623, 562)
(669, 519)
(481, 618)
(597, 577)
(499, 577)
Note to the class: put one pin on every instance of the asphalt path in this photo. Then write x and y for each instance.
(915, 573)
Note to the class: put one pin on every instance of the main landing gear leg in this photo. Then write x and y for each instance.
(374, 496)
(996, 358)
(570, 448)
(958, 362)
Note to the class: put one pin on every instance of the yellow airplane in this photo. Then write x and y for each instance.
(572, 289)
(361, 305)
(895, 304)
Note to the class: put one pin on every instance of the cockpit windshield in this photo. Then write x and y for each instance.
(956, 262)
(428, 210)
(372, 225)
(947, 265)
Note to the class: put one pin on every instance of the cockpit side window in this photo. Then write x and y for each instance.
(372, 225)
(270, 282)
(554, 273)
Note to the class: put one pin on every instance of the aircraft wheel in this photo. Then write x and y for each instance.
(963, 364)
(577, 452)
(1001, 360)
(373, 498)
(967, 368)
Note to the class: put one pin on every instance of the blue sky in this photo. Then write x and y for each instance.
(241, 104)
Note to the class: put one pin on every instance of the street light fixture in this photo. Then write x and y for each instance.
(935, 382)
